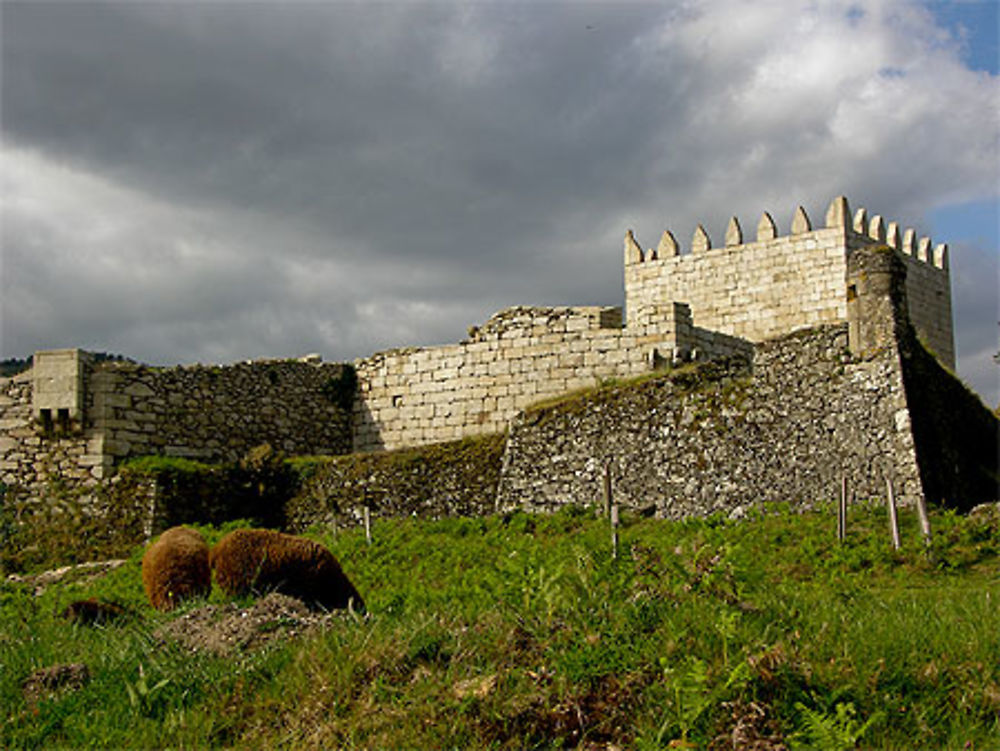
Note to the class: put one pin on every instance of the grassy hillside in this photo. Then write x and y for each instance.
(523, 632)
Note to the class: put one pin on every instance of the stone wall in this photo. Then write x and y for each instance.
(725, 435)
(457, 478)
(929, 294)
(32, 453)
(76, 420)
(211, 413)
(957, 436)
(767, 288)
(411, 397)
(217, 414)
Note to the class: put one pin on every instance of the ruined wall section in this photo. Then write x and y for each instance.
(211, 413)
(412, 397)
(724, 437)
(33, 454)
(777, 284)
(218, 413)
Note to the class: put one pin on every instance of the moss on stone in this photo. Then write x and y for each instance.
(156, 464)
(730, 376)
(443, 479)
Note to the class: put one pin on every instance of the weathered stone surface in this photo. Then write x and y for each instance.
(131, 410)
(700, 242)
(800, 222)
(765, 289)
(705, 305)
(766, 229)
(809, 411)
(633, 251)
(838, 213)
(668, 246)
(723, 437)
(734, 235)
(449, 479)
(535, 352)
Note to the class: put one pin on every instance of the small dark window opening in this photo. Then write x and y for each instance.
(397, 401)
(46, 416)
(63, 418)
(852, 293)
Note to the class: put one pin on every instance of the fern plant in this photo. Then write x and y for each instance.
(825, 732)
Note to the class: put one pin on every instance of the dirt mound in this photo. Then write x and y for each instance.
(221, 629)
(50, 682)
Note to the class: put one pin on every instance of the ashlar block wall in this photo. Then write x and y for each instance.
(777, 284)
(522, 355)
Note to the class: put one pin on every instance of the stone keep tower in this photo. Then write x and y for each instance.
(775, 284)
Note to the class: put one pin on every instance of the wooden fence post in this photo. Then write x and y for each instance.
(842, 510)
(925, 521)
(607, 489)
(367, 512)
(614, 530)
(893, 521)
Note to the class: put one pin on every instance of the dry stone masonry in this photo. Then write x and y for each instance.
(818, 341)
(717, 438)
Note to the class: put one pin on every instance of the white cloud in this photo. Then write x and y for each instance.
(349, 177)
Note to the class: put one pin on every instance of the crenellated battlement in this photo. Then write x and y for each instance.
(777, 283)
(857, 283)
(838, 216)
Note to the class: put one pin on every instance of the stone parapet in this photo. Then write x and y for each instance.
(776, 284)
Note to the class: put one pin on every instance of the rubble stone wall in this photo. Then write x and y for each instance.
(210, 413)
(725, 436)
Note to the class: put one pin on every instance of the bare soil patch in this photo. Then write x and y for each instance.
(222, 629)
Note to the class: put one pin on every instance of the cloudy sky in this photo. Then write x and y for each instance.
(221, 181)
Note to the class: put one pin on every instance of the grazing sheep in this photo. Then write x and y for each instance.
(259, 560)
(175, 568)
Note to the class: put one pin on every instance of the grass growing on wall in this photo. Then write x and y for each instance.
(726, 374)
(522, 632)
(442, 479)
(68, 525)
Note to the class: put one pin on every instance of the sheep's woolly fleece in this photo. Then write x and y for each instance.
(175, 568)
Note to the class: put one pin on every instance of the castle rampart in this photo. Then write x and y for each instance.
(862, 403)
(521, 355)
(74, 419)
(210, 413)
(768, 287)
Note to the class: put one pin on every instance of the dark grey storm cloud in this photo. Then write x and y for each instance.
(221, 181)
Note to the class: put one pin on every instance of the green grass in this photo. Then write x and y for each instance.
(523, 632)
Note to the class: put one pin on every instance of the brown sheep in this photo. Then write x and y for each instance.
(93, 612)
(260, 560)
(175, 568)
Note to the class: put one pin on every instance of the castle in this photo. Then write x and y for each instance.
(74, 419)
